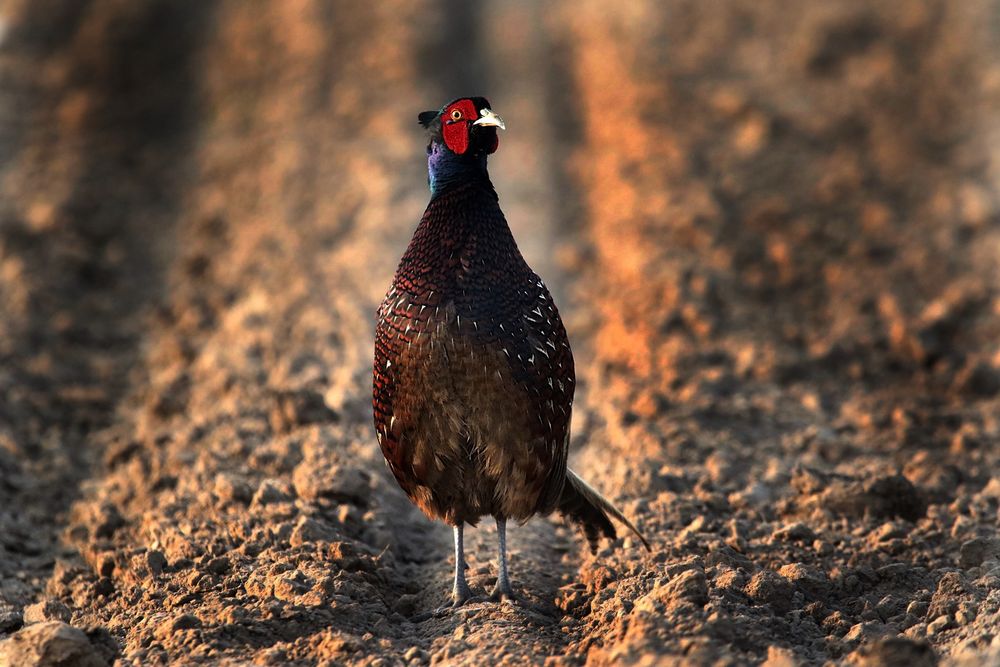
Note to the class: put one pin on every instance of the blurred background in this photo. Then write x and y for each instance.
(772, 227)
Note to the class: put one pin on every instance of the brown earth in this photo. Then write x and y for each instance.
(773, 229)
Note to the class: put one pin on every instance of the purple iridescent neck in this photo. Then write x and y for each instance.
(445, 168)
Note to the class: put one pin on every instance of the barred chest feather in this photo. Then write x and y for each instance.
(473, 377)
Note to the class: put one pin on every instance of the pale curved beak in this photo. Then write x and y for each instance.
(490, 119)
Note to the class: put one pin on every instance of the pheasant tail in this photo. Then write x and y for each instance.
(583, 504)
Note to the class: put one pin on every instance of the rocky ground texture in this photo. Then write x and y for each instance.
(773, 230)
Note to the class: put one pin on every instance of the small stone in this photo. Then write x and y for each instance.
(346, 513)
(737, 536)
(232, 615)
(173, 625)
(938, 625)
(309, 530)
(890, 530)
(218, 565)
(291, 585)
(727, 556)
(951, 590)
(344, 554)
(414, 653)
(342, 483)
(779, 657)
(917, 608)
(822, 548)
(275, 655)
(259, 585)
(966, 614)
(894, 652)
(230, 488)
(769, 587)
(292, 409)
(47, 610)
(864, 632)
(977, 550)
(730, 579)
(794, 532)
(272, 491)
(50, 644)
(889, 606)
(836, 623)
(155, 561)
(689, 587)
(106, 564)
(813, 583)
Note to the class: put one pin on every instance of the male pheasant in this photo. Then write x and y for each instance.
(473, 374)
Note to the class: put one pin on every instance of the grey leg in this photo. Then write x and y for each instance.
(460, 593)
(502, 591)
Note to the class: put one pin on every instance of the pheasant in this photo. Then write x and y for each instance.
(473, 373)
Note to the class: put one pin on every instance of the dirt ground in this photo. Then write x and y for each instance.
(773, 230)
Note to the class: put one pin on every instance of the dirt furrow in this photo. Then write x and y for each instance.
(758, 212)
(86, 232)
(242, 509)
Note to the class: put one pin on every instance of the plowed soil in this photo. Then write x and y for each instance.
(773, 230)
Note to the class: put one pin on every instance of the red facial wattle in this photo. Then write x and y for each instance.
(455, 123)
(456, 126)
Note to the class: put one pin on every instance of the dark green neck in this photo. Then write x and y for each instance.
(445, 169)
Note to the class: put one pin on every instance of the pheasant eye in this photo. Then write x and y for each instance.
(456, 114)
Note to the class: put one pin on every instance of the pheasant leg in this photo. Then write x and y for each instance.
(460, 592)
(502, 591)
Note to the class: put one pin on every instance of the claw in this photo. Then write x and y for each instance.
(450, 606)
(501, 593)
(458, 599)
(460, 595)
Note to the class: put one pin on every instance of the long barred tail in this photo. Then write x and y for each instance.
(582, 504)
